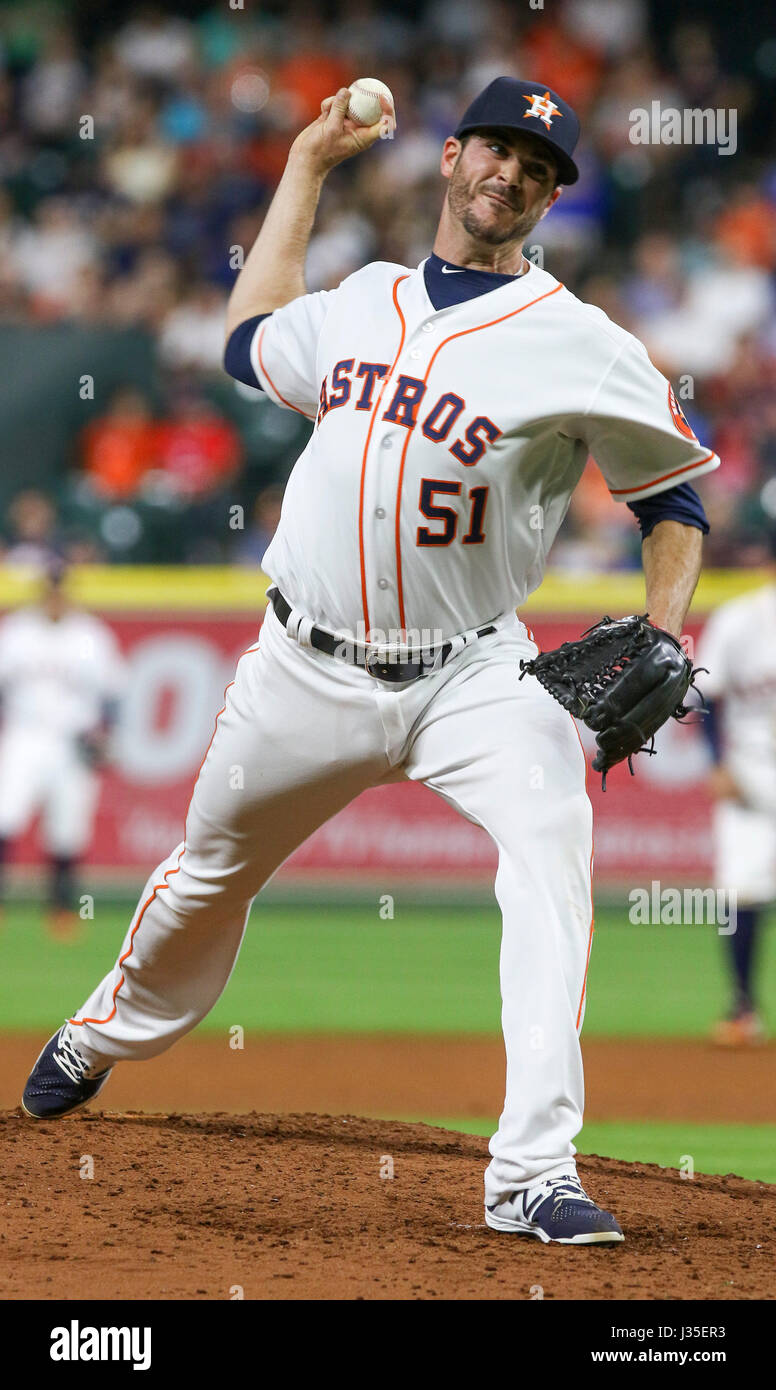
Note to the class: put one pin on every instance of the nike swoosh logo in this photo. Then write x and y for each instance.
(447, 271)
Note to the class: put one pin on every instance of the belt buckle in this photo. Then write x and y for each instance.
(384, 666)
(377, 662)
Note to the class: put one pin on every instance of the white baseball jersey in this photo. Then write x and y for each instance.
(738, 646)
(55, 676)
(445, 448)
(447, 444)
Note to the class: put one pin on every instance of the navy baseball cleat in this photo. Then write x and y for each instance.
(61, 1080)
(557, 1209)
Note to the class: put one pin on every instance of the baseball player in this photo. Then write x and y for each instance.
(60, 681)
(738, 646)
(454, 406)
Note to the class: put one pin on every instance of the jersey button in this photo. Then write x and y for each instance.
(380, 512)
(415, 353)
(428, 327)
(386, 443)
(382, 583)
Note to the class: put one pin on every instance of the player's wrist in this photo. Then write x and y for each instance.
(665, 622)
(305, 166)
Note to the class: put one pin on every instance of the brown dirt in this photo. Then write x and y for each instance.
(289, 1206)
(293, 1207)
(424, 1077)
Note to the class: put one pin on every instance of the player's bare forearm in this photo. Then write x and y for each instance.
(273, 273)
(671, 556)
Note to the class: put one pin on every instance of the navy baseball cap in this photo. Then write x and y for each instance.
(531, 106)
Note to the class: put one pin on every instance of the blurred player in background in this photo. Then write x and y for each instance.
(61, 675)
(739, 648)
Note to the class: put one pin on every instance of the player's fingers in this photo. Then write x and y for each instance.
(388, 109)
(326, 105)
(381, 130)
(339, 105)
(387, 121)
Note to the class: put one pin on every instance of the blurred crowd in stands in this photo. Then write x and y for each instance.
(139, 146)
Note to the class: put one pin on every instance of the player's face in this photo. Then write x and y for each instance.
(501, 184)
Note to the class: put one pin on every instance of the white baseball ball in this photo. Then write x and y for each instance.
(364, 106)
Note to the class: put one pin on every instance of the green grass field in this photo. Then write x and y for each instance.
(431, 970)
(746, 1150)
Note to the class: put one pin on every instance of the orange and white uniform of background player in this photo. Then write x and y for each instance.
(445, 450)
(55, 680)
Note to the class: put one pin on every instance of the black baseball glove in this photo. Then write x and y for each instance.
(624, 678)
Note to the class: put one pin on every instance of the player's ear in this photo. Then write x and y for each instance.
(553, 198)
(450, 152)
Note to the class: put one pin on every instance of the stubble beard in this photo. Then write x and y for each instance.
(461, 199)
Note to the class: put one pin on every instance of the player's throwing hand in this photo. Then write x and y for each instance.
(334, 137)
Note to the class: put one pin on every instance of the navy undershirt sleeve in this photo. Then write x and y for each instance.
(680, 503)
(237, 355)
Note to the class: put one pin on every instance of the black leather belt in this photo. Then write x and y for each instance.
(358, 656)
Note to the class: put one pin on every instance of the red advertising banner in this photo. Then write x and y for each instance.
(647, 826)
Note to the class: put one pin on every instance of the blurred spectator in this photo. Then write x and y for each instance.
(457, 23)
(656, 284)
(192, 334)
(31, 530)
(141, 166)
(263, 524)
(49, 256)
(343, 241)
(610, 27)
(51, 88)
(746, 230)
(310, 66)
(11, 298)
(119, 448)
(570, 65)
(721, 301)
(155, 44)
(136, 230)
(365, 28)
(147, 294)
(197, 451)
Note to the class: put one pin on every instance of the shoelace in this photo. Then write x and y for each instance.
(558, 1189)
(69, 1059)
(568, 1187)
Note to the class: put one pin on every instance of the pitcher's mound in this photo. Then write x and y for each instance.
(107, 1205)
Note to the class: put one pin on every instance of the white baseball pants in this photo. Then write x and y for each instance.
(43, 773)
(300, 735)
(744, 852)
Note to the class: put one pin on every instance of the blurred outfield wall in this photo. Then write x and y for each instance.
(182, 631)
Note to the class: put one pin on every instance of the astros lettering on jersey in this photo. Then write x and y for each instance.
(447, 444)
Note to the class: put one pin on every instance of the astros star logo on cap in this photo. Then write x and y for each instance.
(543, 107)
